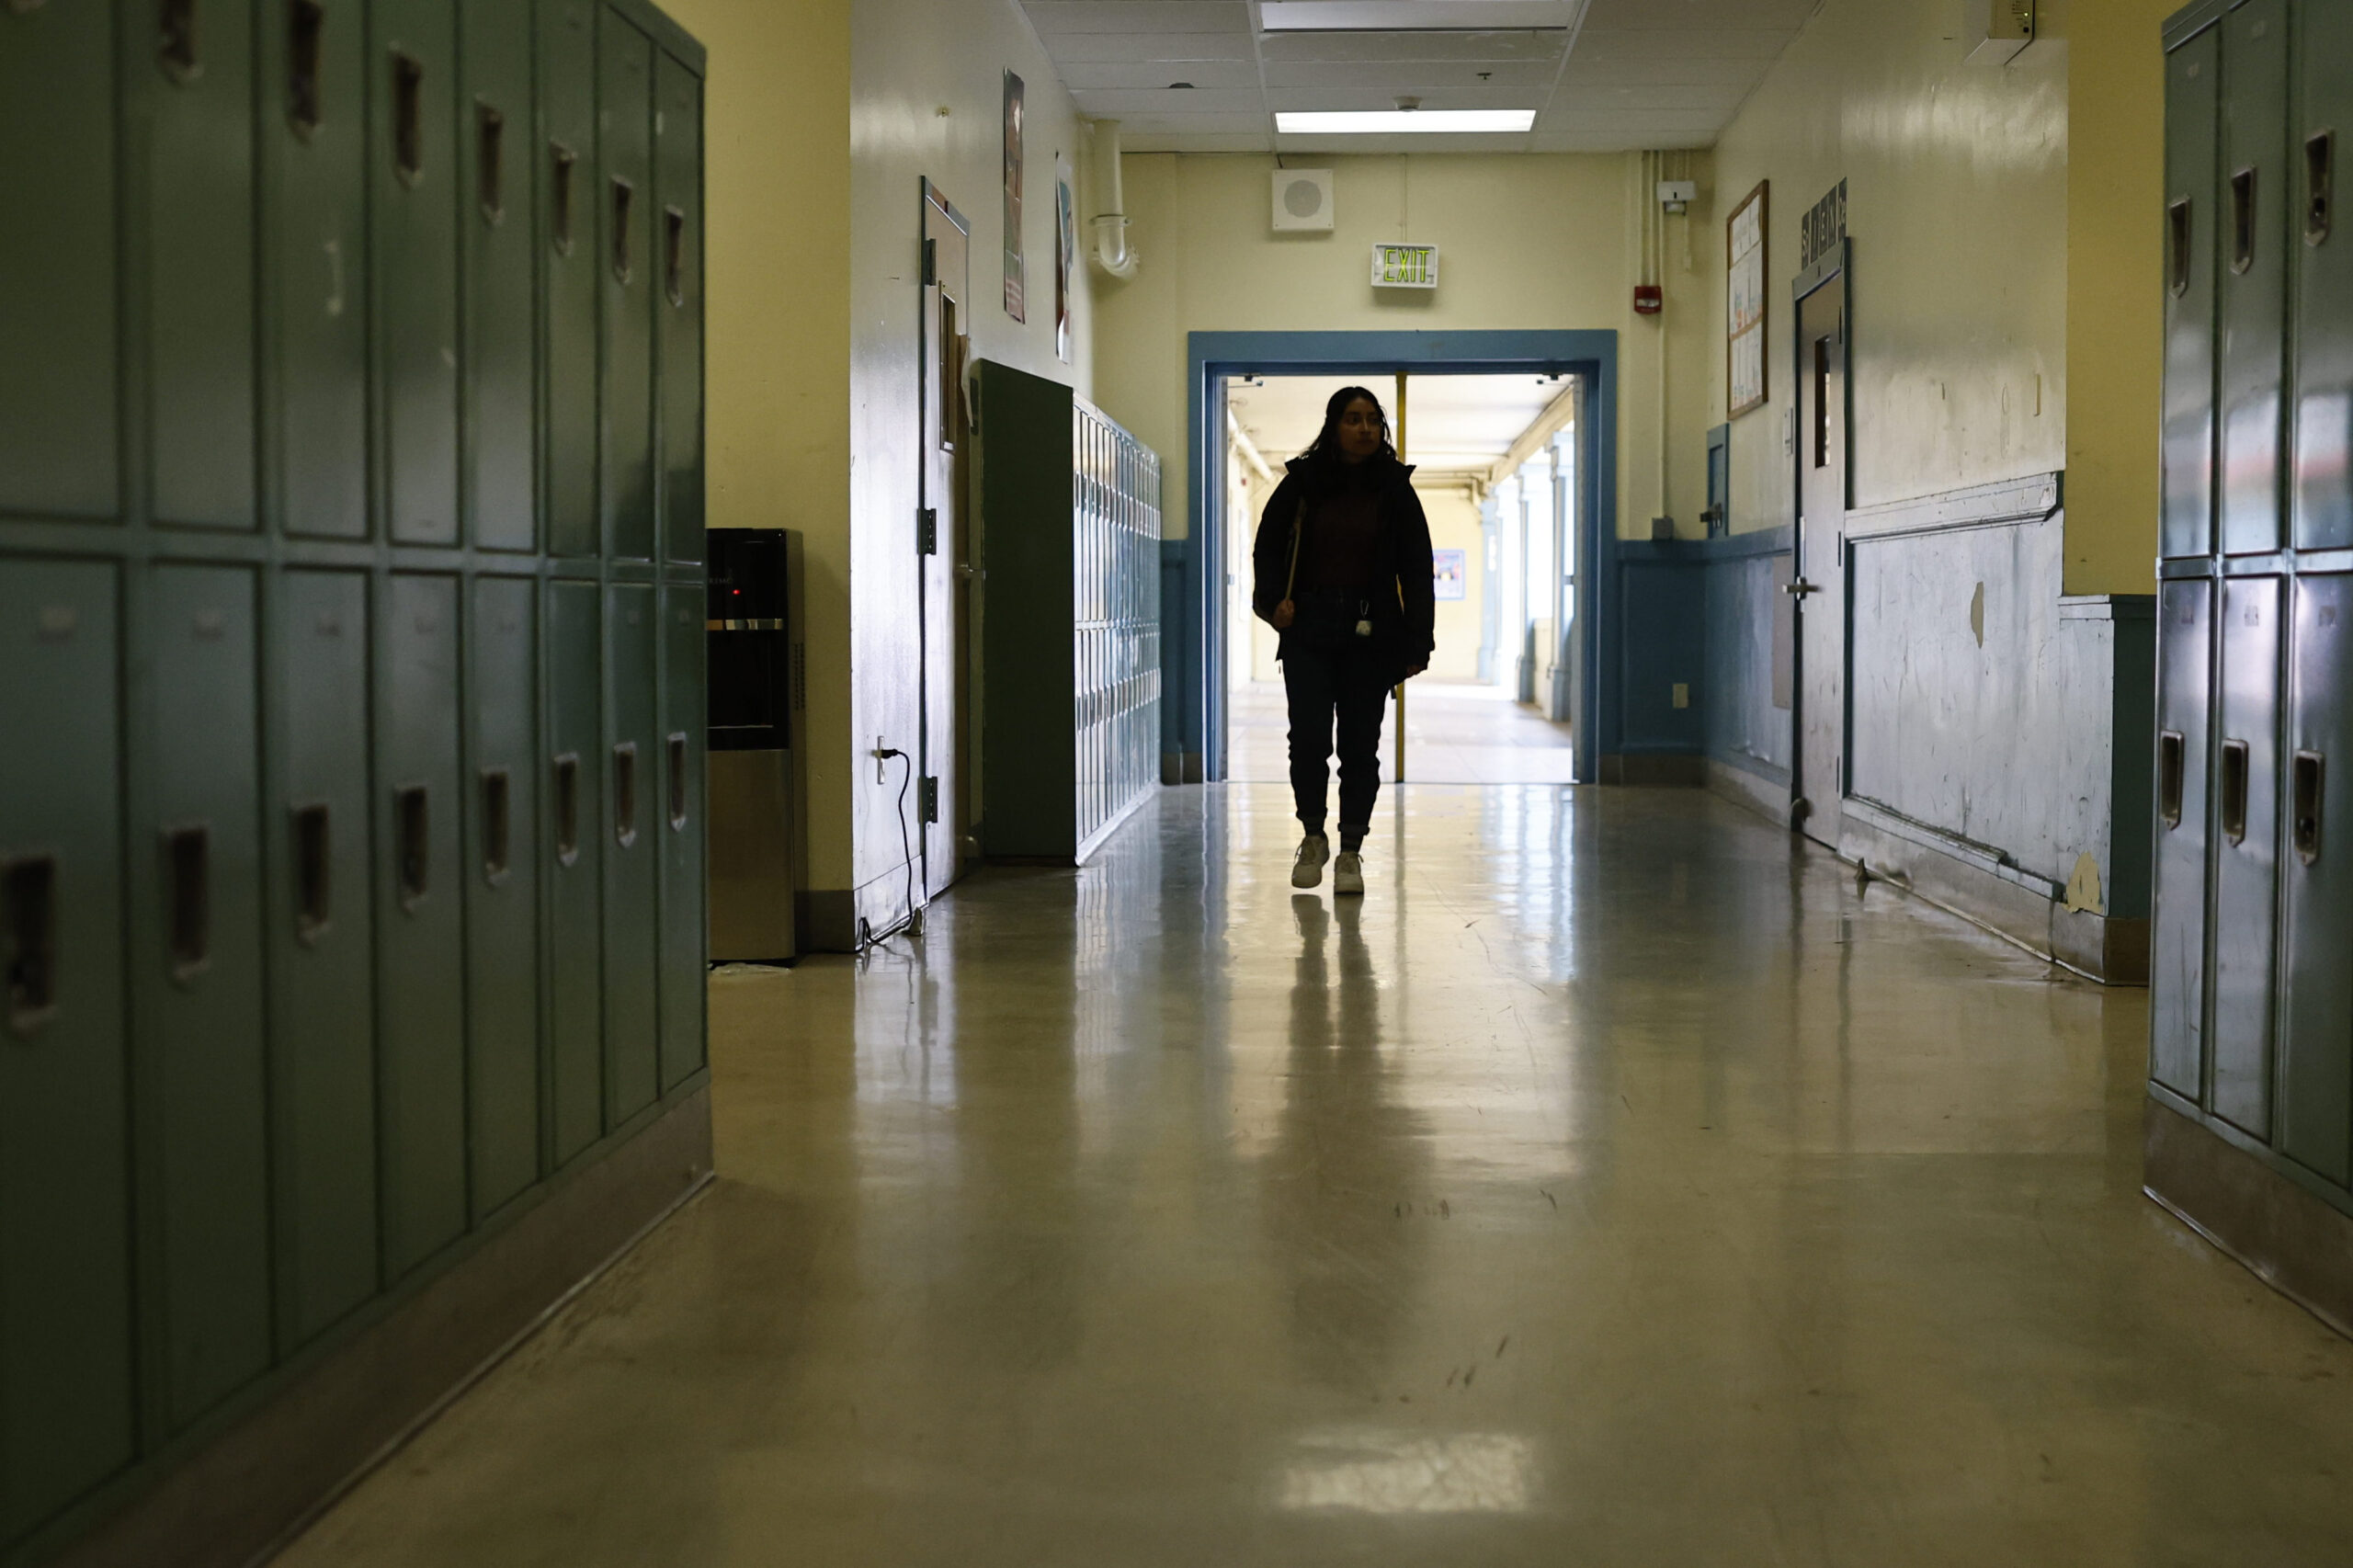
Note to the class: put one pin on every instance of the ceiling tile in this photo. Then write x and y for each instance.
(1138, 16)
(1088, 48)
(1227, 101)
(1144, 75)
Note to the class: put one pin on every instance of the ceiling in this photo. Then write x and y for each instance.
(1455, 425)
(1604, 76)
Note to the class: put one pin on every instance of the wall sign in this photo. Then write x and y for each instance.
(1017, 270)
(1823, 227)
(1065, 254)
(1747, 255)
(1450, 574)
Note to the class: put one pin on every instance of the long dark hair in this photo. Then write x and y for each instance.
(1325, 450)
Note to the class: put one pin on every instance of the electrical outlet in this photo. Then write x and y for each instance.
(1682, 695)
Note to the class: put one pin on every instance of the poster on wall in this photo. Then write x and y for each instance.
(1017, 282)
(1745, 254)
(1450, 574)
(1065, 253)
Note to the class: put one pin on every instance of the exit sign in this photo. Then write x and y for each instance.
(1404, 267)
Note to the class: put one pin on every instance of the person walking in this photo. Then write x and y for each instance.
(1341, 568)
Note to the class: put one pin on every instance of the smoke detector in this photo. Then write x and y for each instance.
(1302, 200)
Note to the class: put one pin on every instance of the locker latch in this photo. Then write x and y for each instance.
(29, 958)
(927, 531)
(930, 799)
(2307, 777)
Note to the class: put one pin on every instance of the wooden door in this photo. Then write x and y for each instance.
(1818, 780)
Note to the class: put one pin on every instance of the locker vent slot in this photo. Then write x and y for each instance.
(305, 21)
(673, 254)
(2178, 247)
(497, 825)
(625, 793)
(2308, 778)
(313, 854)
(178, 46)
(677, 783)
(567, 808)
(2169, 764)
(624, 194)
(29, 903)
(412, 843)
(187, 866)
(2243, 220)
(408, 117)
(490, 161)
(2320, 181)
(560, 160)
(2234, 791)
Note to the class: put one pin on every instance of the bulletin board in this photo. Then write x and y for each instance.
(1746, 253)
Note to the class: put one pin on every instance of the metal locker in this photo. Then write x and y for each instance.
(2185, 744)
(2324, 480)
(66, 1418)
(634, 806)
(502, 889)
(2246, 823)
(2316, 1024)
(2192, 71)
(573, 777)
(321, 952)
(414, 199)
(60, 431)
(197, 990)
(685, 709)
(567, 218)
(628, 264)
(2252, 206)
(315, 158)
(495, 119)
(420, 938)
(680, 187)
(191, 124)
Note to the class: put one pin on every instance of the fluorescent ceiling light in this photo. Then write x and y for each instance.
(1415, 16)
(1401, 123)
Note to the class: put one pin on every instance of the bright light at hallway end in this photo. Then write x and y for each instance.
(1399, 122)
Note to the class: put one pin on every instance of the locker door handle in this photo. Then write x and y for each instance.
(413, 844)
(490, 162)
(2308, 775)
(2177, 232)
(2234, 791)
(408, 117)
(625, 793)
(187, 870)
(178, 47)
(677, 783)
(2243, 220)
(497, 827)
(305, 21)
(624, 197)
(2320, 181)
(673, 248)
(567, 808)
(2170, 752)
(313, 855)
(560, 160)
(28, 904)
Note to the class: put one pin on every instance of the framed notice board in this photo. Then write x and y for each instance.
(1745, 255)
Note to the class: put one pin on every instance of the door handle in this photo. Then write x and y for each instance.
(1800, 587)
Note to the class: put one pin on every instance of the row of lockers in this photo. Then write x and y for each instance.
(311, 969)
(349, 269)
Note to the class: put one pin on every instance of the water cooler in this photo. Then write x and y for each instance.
(759, 839)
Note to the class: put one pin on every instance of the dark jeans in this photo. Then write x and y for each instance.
(1322, 684)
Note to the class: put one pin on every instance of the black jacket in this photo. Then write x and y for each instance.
(1402, 622)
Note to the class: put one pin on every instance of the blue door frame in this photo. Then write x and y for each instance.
(1193, 569)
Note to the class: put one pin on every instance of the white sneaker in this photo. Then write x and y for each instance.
(1348, 874)
(1308, 869)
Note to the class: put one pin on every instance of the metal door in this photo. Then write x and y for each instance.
(502, 881)
(633, 819)
(1818, 774)
(678, 180)
(685, 711)
(944, 544)
(568, 228)
(2193, 73)
(413, 215)
(2245, 854)
(2316, 864)
(2253, 202)
(2324, 286)
(2185, 745)
(630, 262)
(498, 167)
(573, 841)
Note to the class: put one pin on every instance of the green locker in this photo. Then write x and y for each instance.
(630, 263)
(2317, 865)
(321, 955)
(2253, 204)
(66, 1417)
(502, 889)
(2185, 750)
(196, 989)
(190, 95)
(314, 151)
(683, 726)
(420, 937)
(568, 207)
(2324, 486)
(2192, 70)
(575, 849)
(60, 431)
(2246, 860)
(496, 114)
(418, 188)
(634, 808)
(679, 146)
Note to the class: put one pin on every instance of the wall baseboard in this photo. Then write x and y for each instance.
(1679, 769)
(1743, 788)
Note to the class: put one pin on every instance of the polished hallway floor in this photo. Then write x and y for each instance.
(1615, 1186)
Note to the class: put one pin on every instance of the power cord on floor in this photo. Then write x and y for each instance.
(913, 924)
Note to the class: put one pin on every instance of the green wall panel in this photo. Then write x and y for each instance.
(496, 114)
(685, 721)
(629, 276)
(503, 890)
(418, 184)
(2193, 73)
(197, 925)
(634, 812)
(2252, 208)
(60, 432)
(66, 1417)
(574, 846)
(420, 946)
(569, 226)
(678, 94)
(323, 1045)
